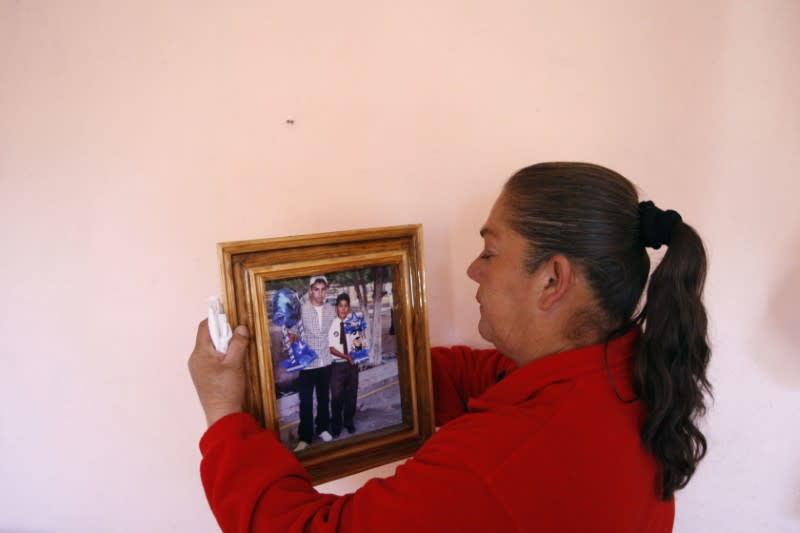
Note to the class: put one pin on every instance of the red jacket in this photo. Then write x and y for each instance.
(546, 447)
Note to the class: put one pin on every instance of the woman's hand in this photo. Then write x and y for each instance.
(219, 378)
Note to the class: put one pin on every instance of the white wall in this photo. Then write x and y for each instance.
(134, 136)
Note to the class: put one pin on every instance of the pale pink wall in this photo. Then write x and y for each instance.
(134, 136)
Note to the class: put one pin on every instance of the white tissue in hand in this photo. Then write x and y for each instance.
(218, 326)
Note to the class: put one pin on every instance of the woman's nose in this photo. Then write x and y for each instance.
(473, 270)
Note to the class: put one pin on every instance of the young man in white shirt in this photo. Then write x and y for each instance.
(344, 371)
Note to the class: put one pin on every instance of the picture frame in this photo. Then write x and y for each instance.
(269, 285)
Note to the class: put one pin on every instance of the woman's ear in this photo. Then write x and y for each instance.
(557, 276)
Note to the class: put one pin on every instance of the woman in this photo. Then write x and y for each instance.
(585, 423)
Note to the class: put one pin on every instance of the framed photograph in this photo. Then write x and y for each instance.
(339, 365)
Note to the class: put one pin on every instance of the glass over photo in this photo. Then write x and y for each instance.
(334, 355)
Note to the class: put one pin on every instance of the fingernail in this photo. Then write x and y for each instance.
(242, 330)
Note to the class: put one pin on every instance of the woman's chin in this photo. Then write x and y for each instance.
(484, 331)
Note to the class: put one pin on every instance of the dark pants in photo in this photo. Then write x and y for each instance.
(344, 390)
(308, 381)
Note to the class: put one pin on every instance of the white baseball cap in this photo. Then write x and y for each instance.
(315, 279)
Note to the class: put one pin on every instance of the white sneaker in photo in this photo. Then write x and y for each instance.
(302, 445)
(325, 436)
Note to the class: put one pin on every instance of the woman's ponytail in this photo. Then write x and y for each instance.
(674, 353)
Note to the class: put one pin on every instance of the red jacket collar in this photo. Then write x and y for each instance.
(524, 382)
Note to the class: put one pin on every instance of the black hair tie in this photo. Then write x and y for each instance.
(656, 225)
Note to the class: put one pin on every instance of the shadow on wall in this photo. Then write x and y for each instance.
(782, 325)
(796, 502)
(465, 245)
(439, 293)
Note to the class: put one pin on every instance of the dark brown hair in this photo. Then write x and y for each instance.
(590, 214)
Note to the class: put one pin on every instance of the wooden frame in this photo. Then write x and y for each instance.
(251, 273)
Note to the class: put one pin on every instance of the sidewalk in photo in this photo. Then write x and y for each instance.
(377, 407)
